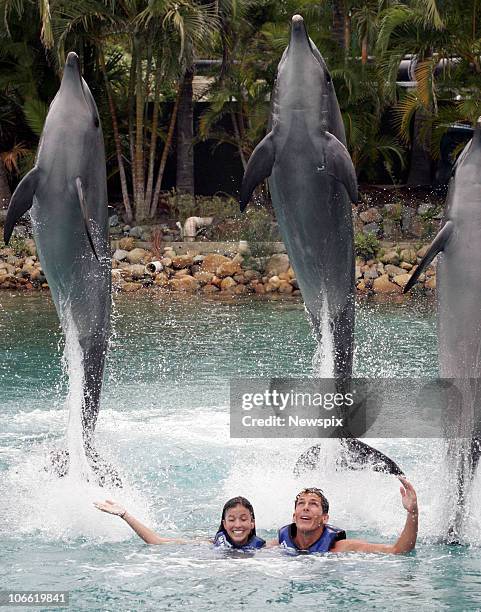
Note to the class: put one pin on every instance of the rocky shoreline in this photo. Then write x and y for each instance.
(232, 272)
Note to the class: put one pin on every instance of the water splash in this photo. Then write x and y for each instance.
(323, 359)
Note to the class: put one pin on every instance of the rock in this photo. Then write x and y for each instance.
(183, 272)
(371, 228)
(228, 268)
(127, 243)
(240, 289)
(212, 261)
(418, 228)
(296, 292)
(161, 279)
(393, 210)
(408, 255)
(260, 289)
(392, 270)
(371, 215)
(271, 287)
(227, 283)
(37, 276)
(31, 247)
(430, 283)
(136, 256)
(402, 279)
(136, 232)
(406, 266)
(275, 282)
(216, 281)
(384, 285)
(294, 283)
(113, 221)
(184, 283)
(166, 262)
(251, 275)
(194, 269)
(361, 286)
(371, 272)
(203, 278)
(136, 271)
(182, 261)
(391, 257)
(120, 255)
(198, 259)
(210, 289)
(240, 279)
(130, 287)
(422, 251)
(277, 264)
(285, 287)
(358, 273)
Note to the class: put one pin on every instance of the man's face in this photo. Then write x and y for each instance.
(308, 514)
(238, 524)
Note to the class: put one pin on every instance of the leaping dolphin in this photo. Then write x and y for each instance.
(66, 193)
(313, 182)
(458, 288)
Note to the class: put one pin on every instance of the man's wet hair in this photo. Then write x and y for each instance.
(319, 493)
(232, 503)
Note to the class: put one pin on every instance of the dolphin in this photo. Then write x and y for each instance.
(313, 183)
(458, 290)
(66, 193)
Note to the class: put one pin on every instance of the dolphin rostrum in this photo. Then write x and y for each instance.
(66, 193)
(458, 289)
(313, 183)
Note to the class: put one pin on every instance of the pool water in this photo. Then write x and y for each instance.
(164, 424)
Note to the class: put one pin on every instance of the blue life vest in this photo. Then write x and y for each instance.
(221, 541)
(329, 537)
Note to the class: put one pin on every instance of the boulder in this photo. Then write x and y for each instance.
(275, 282)
(120, 255)
(212, 261)
(203, 278)
(130, 287)
(371, 272)
(182, 261)
(227, 283)
(127, 243)
(136, 232)
(384, 285)
(406, 266)
(285, 287)
(393, 270)
(260, 289)
(161, 279)
(184, 283)
(31, 247)
(240, 290)
(430, 283)
(277, 264)
(166, 262)
(113, 220)
(136, 256)
(422, 251)
(251, 275)
(402, 279)
(371, 215)
(408, 255)
(371, 228)
(240, 279)
(210, 289)
(228, 268)
(391, 257)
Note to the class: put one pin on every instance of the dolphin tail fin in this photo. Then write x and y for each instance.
(355, 455)
(437, 245)
(83, 208)
(339, 165)
(258, 168)
(21, 201)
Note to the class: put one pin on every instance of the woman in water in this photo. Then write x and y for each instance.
(237, 529)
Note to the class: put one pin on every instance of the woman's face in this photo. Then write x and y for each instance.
(238, 524)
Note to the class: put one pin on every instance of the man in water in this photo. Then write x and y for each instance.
(310, 531)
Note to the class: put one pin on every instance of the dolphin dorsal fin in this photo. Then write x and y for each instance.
(21, 201)
(437, 245)
(83, 208)
(258, 168)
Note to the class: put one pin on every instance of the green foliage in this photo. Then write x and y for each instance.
(255, 226)
(18, 245)
(366, 245)
(183, 205)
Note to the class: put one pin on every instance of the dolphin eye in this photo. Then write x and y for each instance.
(96, 122)
(328, 78)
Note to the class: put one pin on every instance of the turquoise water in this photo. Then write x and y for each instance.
(164, 423)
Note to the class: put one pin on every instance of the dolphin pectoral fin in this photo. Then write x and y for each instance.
(83, 208)
(437, 245)
(258, 168)
(21, 201)
(339, 165)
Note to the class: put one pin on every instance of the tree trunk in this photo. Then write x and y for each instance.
(165, 153)
(5, 193)
(141, 210)
(421, 161)
(364, 51)
(338, 22)
(185, 135)
(118, 144)
(153, 136)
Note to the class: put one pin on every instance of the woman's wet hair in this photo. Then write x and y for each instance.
(232, 503)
